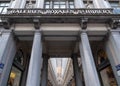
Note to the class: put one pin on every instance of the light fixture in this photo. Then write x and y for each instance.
(12, 75)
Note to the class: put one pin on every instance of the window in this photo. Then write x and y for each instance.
(15, 76)
(59, 4)
(3, 7)
(47, 4)
(71, 4)
(30, 4)
(17, 69)
(19, 57)
(116, 6)
(105, 69)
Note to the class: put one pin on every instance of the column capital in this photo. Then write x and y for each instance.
(36, 23)
(83, 23)
(6, 23)
(114, 23)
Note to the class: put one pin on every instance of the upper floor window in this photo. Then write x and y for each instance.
(59, 4)
(3, 7)
(116, 6)
(47, 4)
(71, 4)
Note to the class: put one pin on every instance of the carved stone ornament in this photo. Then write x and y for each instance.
(84, 23)
(114, 23)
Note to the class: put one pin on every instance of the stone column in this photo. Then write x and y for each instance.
(23, 2)
(39, 3)
(97, 4)
(7, 53)
(113, 52)
(34, 72)
(44, 78)
(79, 4)
(101, 4)
(106, 4)
(78, 80)
(89, 69)
(15, 4)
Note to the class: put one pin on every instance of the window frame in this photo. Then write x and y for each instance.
(65, 5)
(116, 8)
(4, 7)
(115, 2)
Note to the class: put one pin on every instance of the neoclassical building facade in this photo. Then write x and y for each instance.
(87, 31)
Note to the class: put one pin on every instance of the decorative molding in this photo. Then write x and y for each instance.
(114, 23)
(36, 23)
(6, 23)
(84, 23)
(60, 12)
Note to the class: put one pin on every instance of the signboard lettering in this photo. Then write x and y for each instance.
(60, 11)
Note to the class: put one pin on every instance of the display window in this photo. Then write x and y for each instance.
(15, 77)
(16, 70)
(105, 69)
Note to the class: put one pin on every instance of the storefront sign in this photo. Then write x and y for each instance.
(60, 11)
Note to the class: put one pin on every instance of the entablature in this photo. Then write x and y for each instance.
(81, 16)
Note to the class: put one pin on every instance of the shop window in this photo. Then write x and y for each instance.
(19, 57)
(17, 69)
(15, 77)
(108, 77)
(102, 57)
(105, 69)
(3, 7)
